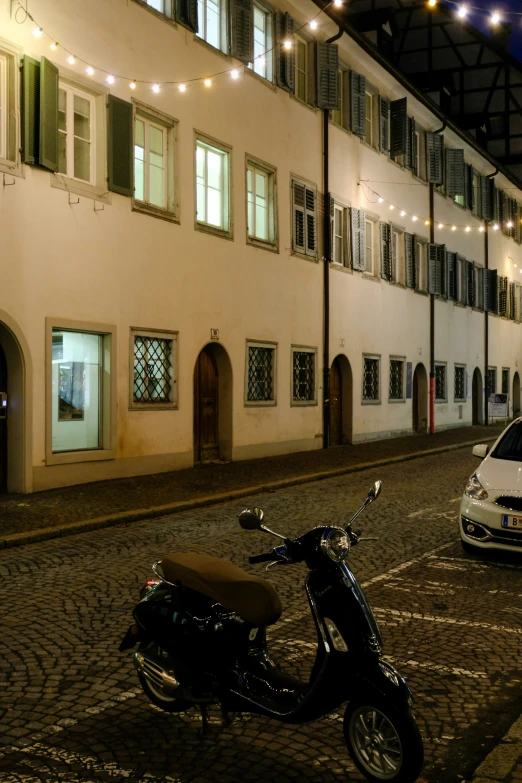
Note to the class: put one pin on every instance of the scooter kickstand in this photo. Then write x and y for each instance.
(204, 718)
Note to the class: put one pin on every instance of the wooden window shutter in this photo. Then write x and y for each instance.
(469, 199)
(298, 209)
(441, 263)
(384, 124)
(502, 287)
(187, 13)
(512, 301)
(327, 78)
(435, 158)
(48, 115)
(285, 58)
(487, 190)
(357, 104)
(119, 147)
(398, 127)
(311, 219)
(328, 252)
(471, 284)
(411, 275)
(455, 173)
(346, 88)
(451, 266)
(490, 290)
(242, 30)
(434, 277)
(512, 214)
(31, 110)
(412, 146)
(386, 251)
(462, 272)
(358, 239)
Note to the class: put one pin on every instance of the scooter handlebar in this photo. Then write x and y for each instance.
(264, 558)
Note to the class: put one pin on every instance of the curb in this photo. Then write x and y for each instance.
(498, 764)
(122, 517)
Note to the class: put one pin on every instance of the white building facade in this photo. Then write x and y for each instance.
(161, 235)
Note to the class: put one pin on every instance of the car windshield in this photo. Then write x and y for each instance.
(510, 447)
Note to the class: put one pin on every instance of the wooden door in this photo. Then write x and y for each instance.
(3, 425)
(206, 434)
(336, 405)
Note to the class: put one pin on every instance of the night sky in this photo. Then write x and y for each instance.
(479, 19)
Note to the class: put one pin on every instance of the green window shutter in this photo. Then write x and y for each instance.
(285, 58)
(330, 249)
(386, 251)
(399, 127)
(471, 284)
(462, 271)
(490, 290)
(298, 210)
(455, 173)
(451, 267)
(469, 200)
(513, 217)
(384, 124)
(48, 115)
(31, 110)
(187, 14)
(487, 189)
(410, 260)
(434, 271)
(502, 287)
(512, 301)
(357, 103)
(119, 147)
(411, 149)
(327, 80)
(442, 273)
(435, 158)
(358, 239)
(311, 218)
(242, 30)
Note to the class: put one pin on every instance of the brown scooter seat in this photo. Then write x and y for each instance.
(250, 597)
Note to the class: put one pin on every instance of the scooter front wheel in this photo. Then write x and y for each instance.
(155, 692)
(384, 744)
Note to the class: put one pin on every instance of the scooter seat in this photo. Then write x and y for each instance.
(250, 597)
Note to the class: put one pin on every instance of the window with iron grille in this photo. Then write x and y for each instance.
(370, 390)
(492, 380)
(505, 380)
(303, 364)
(460, 383)
(260, 376)
(153, 381)
(396, 379)
(440, 382)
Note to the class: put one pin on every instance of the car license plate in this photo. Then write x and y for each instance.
(510, 521)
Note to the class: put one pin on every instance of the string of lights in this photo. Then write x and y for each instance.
(464, 10)
(376, 198)
(111, 78)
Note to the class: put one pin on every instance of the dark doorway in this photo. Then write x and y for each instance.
(206, 411)
(420, 399)
(336, 404)
(516, 395)
(477, 397)
(3, 424)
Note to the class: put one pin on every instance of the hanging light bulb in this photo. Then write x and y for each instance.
(380, 200)
(338, 3)
(37, 32)
(432, 3)
(234, 74)
(155, 88)
(495, 227)
(462, 12)
(90, 70)
(208, 82)
(495, 17)
(468, 229)
(133, 84)
(54, 46)
(313, 24)
(287, 44)
(403, 213)
(71, 59)
(426, 222)
(391, 207)
(454, 228)
(510, 224)
(414, 218)
(181, 87)
(111, 79)
(481, 229)
(440, 225)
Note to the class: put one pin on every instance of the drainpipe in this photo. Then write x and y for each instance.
(432, 306)
(486, 329)
(326, 270)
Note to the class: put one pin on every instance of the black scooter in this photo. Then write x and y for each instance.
(201, 628)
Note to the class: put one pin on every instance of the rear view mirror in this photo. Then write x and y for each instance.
(481, 450)
(375, 491)
(251, 519)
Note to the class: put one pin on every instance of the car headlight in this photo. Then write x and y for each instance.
(336, 544)
(475, 490)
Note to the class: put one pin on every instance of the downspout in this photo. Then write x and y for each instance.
(486, 318)
(432, 306)
(327, 252)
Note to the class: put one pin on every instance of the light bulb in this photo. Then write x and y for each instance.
(90, 70)
(287, 44)
(54, 46)
(208, 82)
(495, 227)
(454, 228)
(234, 74)
(414, 218)
(155, 87)
(110, 79)
(432, 3)
(403, 213)
(313, 24)
(392, 207)
(181, 87)
(468, 229)
(462, 12)
(37, 32)
(338, 3)
(440, 225)
(495, 18)
(71, 59)
(426, 222)
(510, 224)
(380, 200)
(133, 84)
(481, 229)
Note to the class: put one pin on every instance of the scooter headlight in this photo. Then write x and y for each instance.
(336, 544)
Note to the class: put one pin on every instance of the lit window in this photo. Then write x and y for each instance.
(301, 68)
(260, 203)
(421, 262)
(337, 114)
(75, 134)
(3, 105)
(209, 22)
(150, 163)
(260, 374)
(262, 64)
(153, 377)
(212, 186)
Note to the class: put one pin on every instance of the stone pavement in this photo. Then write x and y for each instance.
(29, 518)
(504, 763)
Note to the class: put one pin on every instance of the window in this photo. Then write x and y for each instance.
(301, 68)
(440, 382)
(303, 369)
(76, 123)
(478, 287)
(10, 109)
(261, 209)
(421, 256)
(162, 6)
(4, 111)
(398, 256)
(460, 383)
(370, 390)
(340, 235)
(396, 380)
(505, 380)
(304, 217)
(260, 375)
(368, 118)
(477, 209)
(153, 377)
(211, 23)
(154, 161)
(338, 114)
(491, 386)
(419, 162)
(369, 255)
(212, 186)
(262, 64)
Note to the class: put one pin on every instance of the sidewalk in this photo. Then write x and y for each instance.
(53, 513)
(504, 763)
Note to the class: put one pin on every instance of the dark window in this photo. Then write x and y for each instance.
(396, 379)
(505, 381)
(440, 381)
(152, 370)
(492, 380)
(510, 447)
(304, 376)
(371, 379)
(460, 383)
(260, 374)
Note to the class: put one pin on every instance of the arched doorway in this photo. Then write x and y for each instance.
(212, 405)
(477, 398)
(516, 395)
(341, 401)
(420, 399)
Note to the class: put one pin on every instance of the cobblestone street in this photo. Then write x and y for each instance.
(70, 705)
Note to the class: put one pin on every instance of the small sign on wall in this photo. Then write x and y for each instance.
(214, 334)
(409, 375)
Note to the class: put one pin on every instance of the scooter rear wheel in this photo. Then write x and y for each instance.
(155, 692)
(384, 744)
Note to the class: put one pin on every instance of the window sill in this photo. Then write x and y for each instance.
(10, 167)
(373, 278)
(460, 401)
(149, 209)
(260, 404)
(395, 402)
(303, 403)
(370, 402)
(69, 457)
(155, 13)
(212, 49)
(262, 79)
(214, 231)
(146, 406)
(421, 292)
(341, 268)
(441, 402)
(341, 127)
(272, 247)
(84, 189)
(297, 254)
(307, 105)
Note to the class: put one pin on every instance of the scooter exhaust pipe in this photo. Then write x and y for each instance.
(152, 670)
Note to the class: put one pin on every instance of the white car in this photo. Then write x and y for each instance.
(491, 507)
